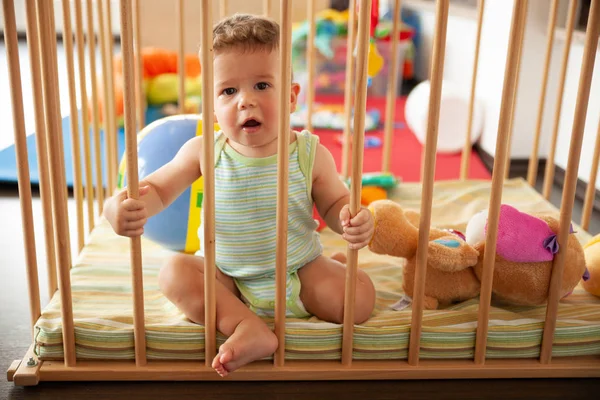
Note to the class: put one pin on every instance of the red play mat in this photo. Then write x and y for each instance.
(406, 150)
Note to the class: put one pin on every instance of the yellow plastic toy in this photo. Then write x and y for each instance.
(375, 61)
(592, 261)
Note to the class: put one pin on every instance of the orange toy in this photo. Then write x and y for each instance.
(155, 62)
(370, 194)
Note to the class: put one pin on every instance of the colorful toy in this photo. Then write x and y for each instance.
(160, 80)
(175, 227)
(450, 261)
(369, 194)
(383, 180)
(326, 30)
(374, 59)
(331, 116)
(370, 141)
(525, 252)
(592, 261)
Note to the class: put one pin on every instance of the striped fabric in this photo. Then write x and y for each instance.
(102, 302)
(245, 229)
(245, 208)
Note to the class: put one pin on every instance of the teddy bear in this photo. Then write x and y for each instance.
(450, 276)
(525, 249)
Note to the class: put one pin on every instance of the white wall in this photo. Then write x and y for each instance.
(460, 45)
(21, 15)
(568, 110)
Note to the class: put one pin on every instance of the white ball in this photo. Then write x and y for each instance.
(454, 112)
(475, 232)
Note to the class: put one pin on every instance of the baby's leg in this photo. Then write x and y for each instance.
(182, 282)
(322, 291)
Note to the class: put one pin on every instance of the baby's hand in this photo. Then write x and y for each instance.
(357, 230)
(127, 216)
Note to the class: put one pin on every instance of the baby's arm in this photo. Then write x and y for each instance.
(332, 199)
(157, 191)
(328, 191)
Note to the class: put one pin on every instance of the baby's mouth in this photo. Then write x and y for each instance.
(251, 123)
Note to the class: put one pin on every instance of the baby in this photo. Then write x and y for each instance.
(246, 106)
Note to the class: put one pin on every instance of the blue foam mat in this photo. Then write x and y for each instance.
(8, 160)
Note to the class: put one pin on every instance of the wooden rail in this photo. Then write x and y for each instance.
(568, 194)
(282, 179)
(358, 140)
(435, 95)
(139, 331)
(500, 160)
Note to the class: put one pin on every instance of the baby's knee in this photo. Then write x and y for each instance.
(170, 275)
(365, 298)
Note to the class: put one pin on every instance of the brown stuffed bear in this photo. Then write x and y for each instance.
(525, 251)
(450, 276)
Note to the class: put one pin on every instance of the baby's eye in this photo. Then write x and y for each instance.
(229, 91)
(262, 85)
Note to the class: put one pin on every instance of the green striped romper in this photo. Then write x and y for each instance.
(245, 221)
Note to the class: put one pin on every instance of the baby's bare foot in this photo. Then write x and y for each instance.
(251, 340)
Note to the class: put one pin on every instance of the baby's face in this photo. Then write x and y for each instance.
(246, 94)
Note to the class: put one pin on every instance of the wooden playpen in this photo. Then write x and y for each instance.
(42, 50)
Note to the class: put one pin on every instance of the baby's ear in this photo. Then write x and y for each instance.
(294, 96)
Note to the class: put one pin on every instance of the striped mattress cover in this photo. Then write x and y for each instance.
(102, 301)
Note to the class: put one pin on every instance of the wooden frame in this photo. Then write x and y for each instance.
(30, 370)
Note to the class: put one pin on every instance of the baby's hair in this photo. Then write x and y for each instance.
(245, 32)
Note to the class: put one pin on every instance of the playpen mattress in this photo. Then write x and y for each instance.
(102, 301)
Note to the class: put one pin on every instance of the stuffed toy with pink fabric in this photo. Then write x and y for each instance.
(449, 278)
(525, 250)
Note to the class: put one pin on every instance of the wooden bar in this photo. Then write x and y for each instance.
(267, 7)
(140, 96)
(74, 118)
(348, 88)
(549, 173)
(358, 139)
(181, 58)
(466, 154)
(208, 173)
(23, 178)
(510, 77)
(95, 113)
(106, 70)
(223, 9)
(568, 194)
(12, 369)
(532, 170)
(28, 372)
(47, 35)
(41, 143)
(111, 94)
(87, 150)
(139, 331)
(514, 98)
(391, 90)
(325, 370)
(310, 63)
(285, 50)
(437, 74)
(591, 186)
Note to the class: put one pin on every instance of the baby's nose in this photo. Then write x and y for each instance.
(247, 100)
